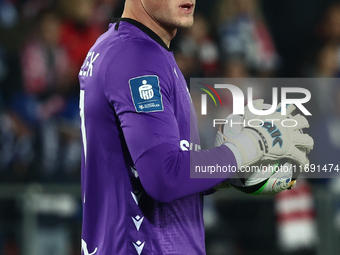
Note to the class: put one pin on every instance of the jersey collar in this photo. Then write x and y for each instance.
(145, 29)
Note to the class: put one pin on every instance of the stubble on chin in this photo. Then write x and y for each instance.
(179, 24)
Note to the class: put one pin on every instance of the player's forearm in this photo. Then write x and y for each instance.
(164, 170)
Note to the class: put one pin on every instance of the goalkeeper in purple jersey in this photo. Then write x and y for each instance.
(140, 134)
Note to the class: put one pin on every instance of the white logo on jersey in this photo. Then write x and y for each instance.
(137, 221)
(146, 91)
(139, 246)
(84, 248)
(186, 146)
(136, 195)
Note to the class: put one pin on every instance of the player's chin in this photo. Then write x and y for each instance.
(178, 23)
(185, 22)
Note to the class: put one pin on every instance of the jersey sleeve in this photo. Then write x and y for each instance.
(142, 74)
(142, 128)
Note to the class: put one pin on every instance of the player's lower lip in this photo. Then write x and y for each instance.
(187, 9)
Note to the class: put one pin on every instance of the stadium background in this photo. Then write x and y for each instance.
(43, 45)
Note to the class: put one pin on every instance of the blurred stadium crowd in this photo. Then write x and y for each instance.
(43, 44)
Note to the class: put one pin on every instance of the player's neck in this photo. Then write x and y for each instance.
(138, 13)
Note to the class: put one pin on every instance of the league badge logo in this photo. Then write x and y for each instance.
(146, 93)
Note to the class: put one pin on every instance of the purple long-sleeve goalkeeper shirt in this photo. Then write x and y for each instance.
(138, 124)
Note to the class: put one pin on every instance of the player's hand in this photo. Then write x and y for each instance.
(233, 124)
(278, 181)
(268, 138)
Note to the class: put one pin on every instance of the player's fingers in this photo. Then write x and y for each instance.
(258, 104)
(220, 139)
(230, 128)
(301, 121)
(299, 156)
(290, 109)
(303, 141)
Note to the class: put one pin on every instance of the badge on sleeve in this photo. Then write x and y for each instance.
(146, 93)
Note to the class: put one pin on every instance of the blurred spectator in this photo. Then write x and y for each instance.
(328, 61)
(329, 28)
(197, 43)
(296, 223)
(323, 63)
(16, 138)
(235, 68)
(45, 106)
(244, 37)
(78, 34)
(104, 10)
(326, 65)
(44, 61)
(326, 50)
(325, 132)
(16, 147)
(39, 115)
(187, 63)
(8, 14)
(44, 70)
(324, 58)
(31, 8)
